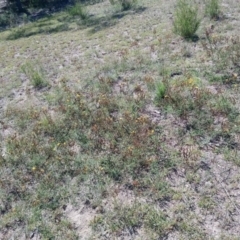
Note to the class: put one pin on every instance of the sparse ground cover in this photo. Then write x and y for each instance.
(114, 127)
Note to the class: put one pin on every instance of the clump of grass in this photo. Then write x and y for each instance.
(186, 21)
(35, 75)
(125, 4)
(78, 10)
(17, 33)
(161, 91)
(206, 202)
(183, 95)
(212, 9)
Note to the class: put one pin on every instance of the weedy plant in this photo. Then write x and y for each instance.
(133, 217)
(35, 75)
(125, 4)
(78, 10)
(186, 20)
(161, 91)
(225, 53)
(212, 9)
(195, 104)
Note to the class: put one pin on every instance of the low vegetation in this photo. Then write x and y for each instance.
(213, 9)
(117, 128)
(186, 19)
(78, 10)
(124, 4)
(35, 75)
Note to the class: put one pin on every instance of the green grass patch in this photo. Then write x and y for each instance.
(78, 10)
(186, 20)
(35, 75)
(212, 8)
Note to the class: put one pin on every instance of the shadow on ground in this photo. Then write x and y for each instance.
(109, 21)
(54, 24)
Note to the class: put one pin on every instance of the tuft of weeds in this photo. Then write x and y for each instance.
(212, 9)
(78, 10)
(225, 53)
(196, 105)
(23, 116)
(182, 95)
(231, 154)
(161, 90)
(17, 33)
(128, 219)
(125, 4)
(34, 74)
(158, 222)
(186, 20)
(206, 203)
(190, 230)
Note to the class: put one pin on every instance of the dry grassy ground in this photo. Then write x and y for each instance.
(90, 150)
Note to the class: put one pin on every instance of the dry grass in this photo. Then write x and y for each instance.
(136, 135)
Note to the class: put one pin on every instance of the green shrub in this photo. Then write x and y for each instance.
(212, 8)
(186, 20)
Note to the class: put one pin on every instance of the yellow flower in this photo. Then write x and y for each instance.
(150, 132)
(34, 169)
(190, 81)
